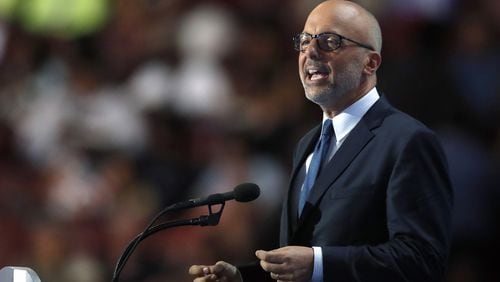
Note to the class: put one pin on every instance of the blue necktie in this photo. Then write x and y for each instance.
(319, 155)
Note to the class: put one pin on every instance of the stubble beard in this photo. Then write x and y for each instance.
(338, 90)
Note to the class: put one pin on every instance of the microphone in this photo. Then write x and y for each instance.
(244, 192)
(18, 274)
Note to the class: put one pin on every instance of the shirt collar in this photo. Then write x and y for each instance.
(344, 122)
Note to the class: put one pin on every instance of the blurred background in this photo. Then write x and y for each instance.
(113, 109)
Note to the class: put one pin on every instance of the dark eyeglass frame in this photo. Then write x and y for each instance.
(322, 42)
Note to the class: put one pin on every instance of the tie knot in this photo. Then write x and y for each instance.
(327, 129)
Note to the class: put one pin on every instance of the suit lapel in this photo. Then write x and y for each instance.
(304, 148)
(355, 142)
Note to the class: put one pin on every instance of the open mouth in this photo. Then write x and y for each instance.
(316, 74)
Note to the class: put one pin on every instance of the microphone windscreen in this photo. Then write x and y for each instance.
(246, 192)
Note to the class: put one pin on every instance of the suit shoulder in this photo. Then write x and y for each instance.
(405, 123)
(383, 117)
(402, 133)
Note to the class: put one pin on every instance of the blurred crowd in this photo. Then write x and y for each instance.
(169, 100)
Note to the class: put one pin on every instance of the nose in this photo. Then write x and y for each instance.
(312, 50)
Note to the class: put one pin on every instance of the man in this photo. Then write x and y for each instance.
(377, 205)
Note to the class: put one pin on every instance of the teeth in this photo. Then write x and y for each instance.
(312, 71)
(317, 76)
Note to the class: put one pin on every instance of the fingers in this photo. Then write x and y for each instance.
(210, 278)
(291, 263)
(274, 256)
(282, 277)
(198, 270)
(222, 268)
(220, 272)
(272, 261)
(219, 268)
(272, 267)
(202, 273)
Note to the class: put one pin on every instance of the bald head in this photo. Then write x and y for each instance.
(337, 71)
(348, 19)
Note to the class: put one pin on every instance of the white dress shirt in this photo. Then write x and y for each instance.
(342, 123)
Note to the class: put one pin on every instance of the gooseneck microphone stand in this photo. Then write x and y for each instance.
(211, 219)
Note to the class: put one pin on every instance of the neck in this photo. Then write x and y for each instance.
(351, 98)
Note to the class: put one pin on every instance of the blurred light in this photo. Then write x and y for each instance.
(7, 8)
(62, 18)
(3, 39)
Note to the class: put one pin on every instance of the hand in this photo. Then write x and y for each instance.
(220, 272)
(292, 263)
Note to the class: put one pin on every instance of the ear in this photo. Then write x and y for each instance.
(373, 61)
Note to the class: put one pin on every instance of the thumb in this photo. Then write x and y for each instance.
(198, 270)
(226, 270)
(222, 267)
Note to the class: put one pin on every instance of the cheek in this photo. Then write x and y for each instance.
(301, 67)
(336, 68)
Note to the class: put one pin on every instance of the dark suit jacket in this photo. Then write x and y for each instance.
(381, 208)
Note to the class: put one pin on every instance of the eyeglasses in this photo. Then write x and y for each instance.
(327, 41)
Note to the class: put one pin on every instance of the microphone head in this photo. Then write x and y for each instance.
(246, 192)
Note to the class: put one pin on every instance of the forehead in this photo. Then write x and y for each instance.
(328, 18)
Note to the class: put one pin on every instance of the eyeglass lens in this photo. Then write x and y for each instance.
(326, 41)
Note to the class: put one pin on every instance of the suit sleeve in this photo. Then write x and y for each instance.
(418, 210)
